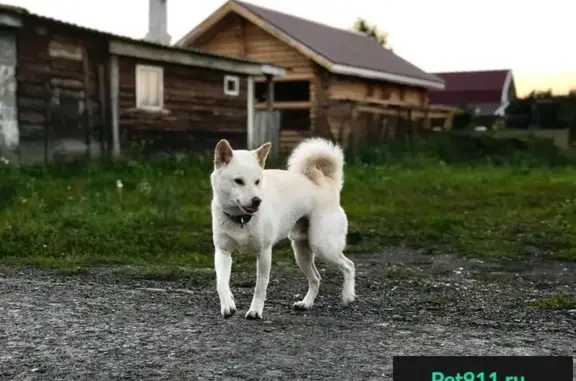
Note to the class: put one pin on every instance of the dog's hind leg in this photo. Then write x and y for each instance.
(305, 259)
(327, 238)
(346, 266)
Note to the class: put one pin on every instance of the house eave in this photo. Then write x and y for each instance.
(383, 76)
(168, 55)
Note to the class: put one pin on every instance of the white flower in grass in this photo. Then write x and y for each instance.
(119, 184)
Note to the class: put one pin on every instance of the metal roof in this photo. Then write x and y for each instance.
(24, 12)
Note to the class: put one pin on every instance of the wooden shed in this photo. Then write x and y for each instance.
(338, 82)
(69, 91)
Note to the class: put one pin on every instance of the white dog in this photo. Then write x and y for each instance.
(253, 208)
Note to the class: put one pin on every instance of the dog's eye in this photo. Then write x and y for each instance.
(239, 181)
(257, 182)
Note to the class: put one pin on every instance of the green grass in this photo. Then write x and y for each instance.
(76, 217)
(557, 302)
(401, 273)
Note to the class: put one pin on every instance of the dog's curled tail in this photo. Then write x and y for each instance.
(317, 158)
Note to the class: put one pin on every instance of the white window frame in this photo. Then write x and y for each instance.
(140, 71)
(236, 80)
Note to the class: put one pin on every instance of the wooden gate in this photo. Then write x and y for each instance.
(267, 129)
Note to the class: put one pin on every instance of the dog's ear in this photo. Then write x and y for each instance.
(262, 153)
(222, 153)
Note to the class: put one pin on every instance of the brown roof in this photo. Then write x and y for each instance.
(464, 87)
(340, 47)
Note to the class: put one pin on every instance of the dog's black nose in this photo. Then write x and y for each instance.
(256, 202)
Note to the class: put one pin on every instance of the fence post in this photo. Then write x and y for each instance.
(250, 113)
(114, 93)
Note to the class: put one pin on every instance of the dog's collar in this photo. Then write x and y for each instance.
(241, 219)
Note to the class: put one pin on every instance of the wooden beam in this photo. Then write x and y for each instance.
(88, 111)
(104, 136)
(114, 104)
(269, 93)
(372, 102)
(378, 110)
(285, 105)
(375, 101)
(287, 78)
(250, 95)
(168, 55)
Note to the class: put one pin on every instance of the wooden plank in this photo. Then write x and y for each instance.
(286, 105)
(269, 94)
(103, 108)
(88, 111)
(114, 94)
(250, 113)
(287, 78)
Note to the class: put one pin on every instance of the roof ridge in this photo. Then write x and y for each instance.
(241, 2)
(471, 71)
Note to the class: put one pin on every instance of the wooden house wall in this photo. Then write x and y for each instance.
(363, 89)
(197, 112)
(234, 36)
(367, 122)
(52, 86)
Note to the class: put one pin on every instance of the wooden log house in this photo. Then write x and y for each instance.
(66, 90)
(337, 82)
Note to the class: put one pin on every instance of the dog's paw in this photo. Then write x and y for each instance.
(348, 299)
(302, 306)
(253, 314)
(228, 308)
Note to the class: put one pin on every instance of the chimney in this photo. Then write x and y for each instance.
(158, 22)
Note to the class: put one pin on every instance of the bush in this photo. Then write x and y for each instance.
(459, 148)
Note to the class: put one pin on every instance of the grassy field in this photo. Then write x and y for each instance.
(160, 218)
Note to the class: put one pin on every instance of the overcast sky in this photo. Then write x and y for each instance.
(535, 39)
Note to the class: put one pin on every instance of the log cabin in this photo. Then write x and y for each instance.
(68, 91)
(338, 83)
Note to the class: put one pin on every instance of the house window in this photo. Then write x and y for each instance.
(231, 85)
(149, 88)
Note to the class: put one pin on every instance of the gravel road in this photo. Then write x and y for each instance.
(104, 325)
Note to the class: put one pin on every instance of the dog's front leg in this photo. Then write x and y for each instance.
(223, 267)
(263, 264)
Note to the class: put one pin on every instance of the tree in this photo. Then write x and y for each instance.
(540, 94)
(371, 30)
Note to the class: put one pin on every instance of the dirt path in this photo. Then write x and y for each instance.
(104, 326)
